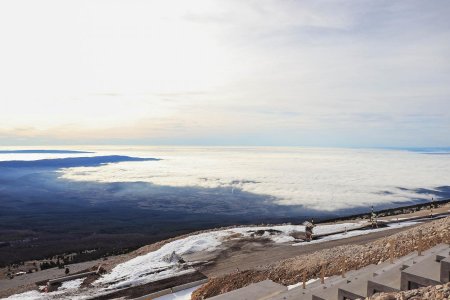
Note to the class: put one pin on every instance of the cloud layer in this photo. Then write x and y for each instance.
(319, 179)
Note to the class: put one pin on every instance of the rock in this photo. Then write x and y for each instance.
(386, 297)
(173, 258)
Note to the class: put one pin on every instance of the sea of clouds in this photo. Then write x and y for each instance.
(317, 178)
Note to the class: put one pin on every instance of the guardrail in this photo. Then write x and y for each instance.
(70, 277)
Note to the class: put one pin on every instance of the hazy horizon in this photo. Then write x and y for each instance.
(225, 72)
(26, 147)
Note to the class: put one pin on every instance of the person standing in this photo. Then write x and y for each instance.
(309, 230)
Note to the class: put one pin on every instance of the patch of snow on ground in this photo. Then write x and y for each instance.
(72, 284)
(290, 287)
(356, 233)
(287, 230)
(152, 266)
(31, 295)
(398, 219)
(68, 286)
(181, 295)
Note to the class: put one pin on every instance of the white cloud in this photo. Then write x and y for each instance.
(320, 179)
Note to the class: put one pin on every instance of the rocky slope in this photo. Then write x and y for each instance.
(290, 271)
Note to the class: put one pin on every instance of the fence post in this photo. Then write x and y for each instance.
(447, 236)
(304, 279)
(344, 267)
(419, 246)
(322, 274)
(391, 250)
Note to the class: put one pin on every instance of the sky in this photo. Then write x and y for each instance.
(232, 72)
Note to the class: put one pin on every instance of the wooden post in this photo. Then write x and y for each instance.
(304, 279)
(322, 274)
(448, 236)
(419, 246)
(371, 217)
(344, 267)
(391, 251)
(431, 207)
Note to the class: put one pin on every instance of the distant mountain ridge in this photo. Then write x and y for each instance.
(71, 162)
(37, 151)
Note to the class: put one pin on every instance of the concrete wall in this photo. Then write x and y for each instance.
(373, 287)
(445, 270)
(343, 294)
(406, 278)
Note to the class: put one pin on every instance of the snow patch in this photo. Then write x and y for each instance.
(356, 233)
(72, 284)
(181, 295)
(165, 262)
(290, 287)
(32, 295)
(152, 266)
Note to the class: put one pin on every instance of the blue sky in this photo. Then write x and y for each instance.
(314, 73)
